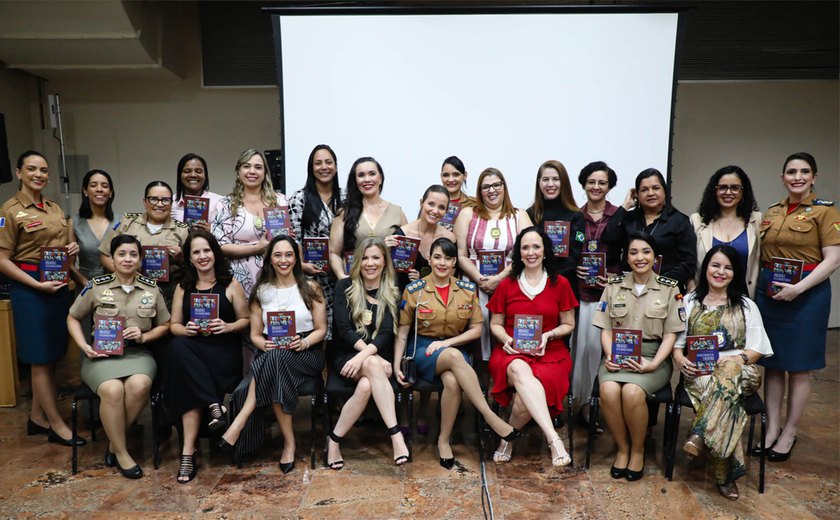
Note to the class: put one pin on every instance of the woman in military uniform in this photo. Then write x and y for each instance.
(653, 304)
(800, 227)
(155, 227)
(28, 222)
(121, 382)
(447, 318)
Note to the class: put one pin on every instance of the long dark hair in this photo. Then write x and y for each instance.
(179, 184)
(736, 291)
(84, 208)
(267, 275)
(311, 200)
(221, 266)
(549, 264)
(709, 209)
(353, 205)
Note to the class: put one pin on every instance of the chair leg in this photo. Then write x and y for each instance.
(752, 428)
(412, 424)
(570, 424)
(327, 418)
(594, 405)
(761, 458)
(313, 420)
(673, 435)
(91, 419)
(154, 401)
(74, 422)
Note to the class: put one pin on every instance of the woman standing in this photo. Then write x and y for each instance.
(728, 214)
(536, 381)
(365, 213)
(653, 304)
(720, 307)
(453, 176)
(800, 227)
(92, 222)
(121, 382)
(32, 221)
(365, 318)
(193, 179)
(491, 225)
(205, 362)
(279, 371)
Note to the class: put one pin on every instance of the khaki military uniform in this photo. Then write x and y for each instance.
(435, 318)
(25, 228)
(802, 234)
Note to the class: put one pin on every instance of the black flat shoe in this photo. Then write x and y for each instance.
(33, 428)
(56, 439)
(110, 458)
(618, 473)
(775, 456)
(133, 472)
(632, 476)
(287, 467)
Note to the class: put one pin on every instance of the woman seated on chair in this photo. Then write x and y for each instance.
(285, 363)
(122, 382)
(652, 306)
(534, 377)
(364, 316)
(720, 307)
(205, 356)
(446, 316)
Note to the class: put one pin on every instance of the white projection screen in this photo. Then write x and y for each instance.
(504, 90)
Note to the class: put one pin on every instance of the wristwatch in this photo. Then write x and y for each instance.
(745, 357)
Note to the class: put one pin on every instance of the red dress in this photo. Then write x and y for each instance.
(553, 368)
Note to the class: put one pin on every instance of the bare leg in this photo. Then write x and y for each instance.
(611, 404)
(774, 393)
(285, 421)
(531, 392)
(136, 396)
(450, 401)
(519, 417)
(350, 413)
(231, 435)
(799, 390)
(383, 396)
(43, 397)
(634, 406)
(112, 414)
(192, 423)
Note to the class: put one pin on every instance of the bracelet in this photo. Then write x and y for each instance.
(307, 343)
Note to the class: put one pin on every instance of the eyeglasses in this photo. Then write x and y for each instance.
(154, 201)
(593, 182)
(734, 188)
(496, 186)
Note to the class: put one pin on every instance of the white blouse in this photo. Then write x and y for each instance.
(756, 337)
(273, 299)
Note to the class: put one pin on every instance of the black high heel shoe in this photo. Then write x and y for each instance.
(217, 414)
(446, 463)
(402, 459)
(618, 473)
(188, 469)
(775, 456)
(336, 464)
(632, 476)
(225, 446)
(110, 458)
(133, 472)
(287, 467)
(756, 450)
(33, 428)
(57, 439)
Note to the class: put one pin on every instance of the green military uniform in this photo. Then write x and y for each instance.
(802, 234)
(658, 310)
(143, 307)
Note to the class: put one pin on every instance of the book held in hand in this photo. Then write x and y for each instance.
(404, 254)
(316, 251)
(196, 209)
(277, 221)
(448, 219)
(595, 264)
(784, 270)
(281, 328)
(348, 261)
(657, 264)
(703, 352)
(155, 264)
(490, 262)
(203, 309)
(527, 333)
(626, 346)
(55, 264)
(558, 232)
(108, 335)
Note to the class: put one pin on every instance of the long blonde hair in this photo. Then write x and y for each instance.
(267, 193)
(357, 295)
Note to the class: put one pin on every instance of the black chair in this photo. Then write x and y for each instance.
(752, 404)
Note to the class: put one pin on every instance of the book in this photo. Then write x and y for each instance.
(155, 263)
(54, 264)
(527, 333)
(595, 264)
(703, 352)
(203, 309)
(657, 264)
(196, 209)
(558, 232)
(108, 335)
(626, 346)
(277, 221)
(785, 270)
(281, 327)
(448, 219)
(404, 254)
(316, 251)
(348, 261)
(490, 262)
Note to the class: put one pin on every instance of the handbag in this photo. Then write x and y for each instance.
(408, 365)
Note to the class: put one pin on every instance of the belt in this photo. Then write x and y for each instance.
(806, 268)
(27, 266)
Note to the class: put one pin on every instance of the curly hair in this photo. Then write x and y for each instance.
(549, 262)
(267, 193)
(709, 209)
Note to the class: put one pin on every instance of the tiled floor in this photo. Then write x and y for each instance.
(35, 479)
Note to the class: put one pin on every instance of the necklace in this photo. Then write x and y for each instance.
(593, 212)
(531, 291)
(212, 285)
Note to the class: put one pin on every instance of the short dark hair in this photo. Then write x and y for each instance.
(598, 166)
(119, 240)
(644, 237)
(84, 207)
(179, 184)
(446, 246)
(709, 209)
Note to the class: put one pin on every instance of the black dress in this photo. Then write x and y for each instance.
(566, 266)
(202, 369)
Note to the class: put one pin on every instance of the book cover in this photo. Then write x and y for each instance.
(626, 345)
(527, 333)
(703, 352)
(558, 232)
(404, 254)
(490, 262)
(155, 264)
(196, 209)
(595, 264)
(108, 335)
(203, 309)
(785, 270)
(348, 261)
(55, 264)
(281, 327)
(448, 219)
(277, 221)
(316, 251)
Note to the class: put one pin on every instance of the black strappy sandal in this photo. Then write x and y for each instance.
(217, 414)
(338, 464)
(402, 459)
(188, 468)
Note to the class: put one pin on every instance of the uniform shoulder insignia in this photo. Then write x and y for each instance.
(179, 223)
(86, 288)
(132, 215)
(147, 281)
(822, 202)
(463, 284)
(105, 278)
(415, 286)
(781, 202)
(616, 279)
(664, 280)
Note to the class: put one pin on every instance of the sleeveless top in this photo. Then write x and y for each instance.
(480, 235)
(226, 314)
(274, 299)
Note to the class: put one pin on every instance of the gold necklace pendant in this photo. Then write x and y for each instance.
(495, 232)
(367, 317)
(258, 222)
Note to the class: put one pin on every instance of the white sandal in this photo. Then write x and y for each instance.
(560, 460)
(502, 455)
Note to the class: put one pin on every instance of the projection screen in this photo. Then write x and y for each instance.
(504, 90)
